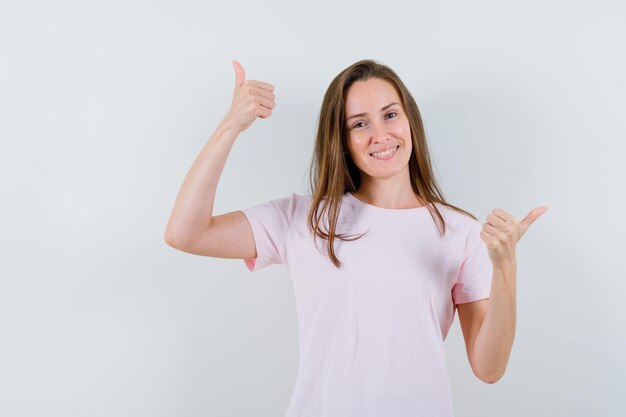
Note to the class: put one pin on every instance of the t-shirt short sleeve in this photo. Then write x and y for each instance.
(270, 222)
(474, 280)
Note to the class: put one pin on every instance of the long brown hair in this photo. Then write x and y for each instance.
(332, 171)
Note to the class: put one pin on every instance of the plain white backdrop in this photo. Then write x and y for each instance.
(105, 105)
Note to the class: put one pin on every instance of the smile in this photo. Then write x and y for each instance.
(387, 154)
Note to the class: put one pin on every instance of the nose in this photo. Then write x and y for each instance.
(379, 132)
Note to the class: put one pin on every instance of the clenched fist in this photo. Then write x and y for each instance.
(251, 99)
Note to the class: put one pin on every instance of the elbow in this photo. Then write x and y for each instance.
(168, 240)
(490, 378)
(171, 239)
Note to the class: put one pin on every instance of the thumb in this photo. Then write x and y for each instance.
(240, 74)
(531, 217)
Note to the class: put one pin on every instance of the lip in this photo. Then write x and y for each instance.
(391, 155)
(386, 148)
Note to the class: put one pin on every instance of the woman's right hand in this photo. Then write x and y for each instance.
(251, 99)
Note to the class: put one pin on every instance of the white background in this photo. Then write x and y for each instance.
(105, 105)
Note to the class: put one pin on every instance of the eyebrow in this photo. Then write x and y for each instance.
(365, 114)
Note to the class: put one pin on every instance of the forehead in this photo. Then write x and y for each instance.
(373, 93)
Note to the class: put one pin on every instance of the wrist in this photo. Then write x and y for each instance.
(505, 265)
(228, 126)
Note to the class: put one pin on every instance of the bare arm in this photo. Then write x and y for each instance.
(193, 209)
(190, 222)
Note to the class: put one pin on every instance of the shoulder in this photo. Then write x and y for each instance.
(293, 204)
(300, 201)
(291, 200)
(458, 221)
(284, 207)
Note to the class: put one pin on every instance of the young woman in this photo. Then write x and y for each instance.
(379, 260)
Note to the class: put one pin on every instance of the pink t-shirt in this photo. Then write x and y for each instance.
(371, 333)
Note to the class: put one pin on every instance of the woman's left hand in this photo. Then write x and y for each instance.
(502, 231)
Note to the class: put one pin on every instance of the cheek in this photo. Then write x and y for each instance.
(404, 131)
(357, 142)
(403, 128)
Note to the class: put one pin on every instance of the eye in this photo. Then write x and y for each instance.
(391, 112)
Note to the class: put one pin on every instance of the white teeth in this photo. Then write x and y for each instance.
(384, 153)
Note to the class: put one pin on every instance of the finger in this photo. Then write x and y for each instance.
(240, 74)
(504, 215)
(533, 215)
(261, 92)
(263, 112)
(495, 220)
(486, 236)
(261, 84)
(492, 230)
(267, 103)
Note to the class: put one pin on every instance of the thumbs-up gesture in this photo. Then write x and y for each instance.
(502, 231)
(251, 99)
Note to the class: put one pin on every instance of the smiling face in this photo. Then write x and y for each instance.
(378, 127)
